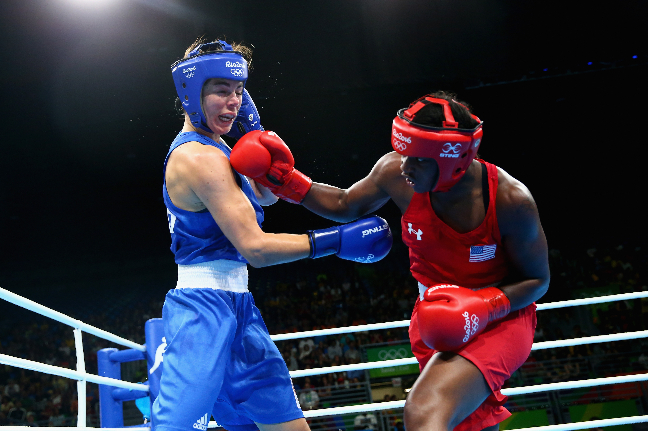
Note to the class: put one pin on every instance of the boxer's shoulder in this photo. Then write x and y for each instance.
(387, 175)
(515, 204)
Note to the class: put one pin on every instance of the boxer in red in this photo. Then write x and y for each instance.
(476, 247)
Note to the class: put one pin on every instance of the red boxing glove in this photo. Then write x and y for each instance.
(450, 316)
(266, 158)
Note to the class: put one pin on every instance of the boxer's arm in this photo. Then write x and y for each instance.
(362, 198)
(524, 242)
(208, 174)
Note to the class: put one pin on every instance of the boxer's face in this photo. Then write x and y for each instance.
(420, 173)
(221, 100)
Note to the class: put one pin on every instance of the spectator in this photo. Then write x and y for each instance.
(354, 375)
(31, 420)
(306, 347)
(365, 421)
(352, 355)
(308, 398)
(56, 419)
(17, 414)
(324, 389)
(334, 349)
(291, 360)
(12, 389)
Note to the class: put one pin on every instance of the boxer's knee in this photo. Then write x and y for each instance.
(429, 411)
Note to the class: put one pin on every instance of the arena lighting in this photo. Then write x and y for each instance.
(95, 4)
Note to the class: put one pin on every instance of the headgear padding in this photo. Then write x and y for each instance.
(452, 148)
(207, 61)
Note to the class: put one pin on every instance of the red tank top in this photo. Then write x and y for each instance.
(439, 254)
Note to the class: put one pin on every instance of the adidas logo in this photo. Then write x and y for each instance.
(201, 424)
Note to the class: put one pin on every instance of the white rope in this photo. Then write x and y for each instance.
(71, 374)
(595, 300)
(508, 392)
(405, 323)
(588, 383)
(353, 367)
(334, 411)
(341, 330)
(393, 405)
(60, 317)
(589, 424)
(26, 428)
(589, 340)
(408, 361)
(82, 377)
(81, 384)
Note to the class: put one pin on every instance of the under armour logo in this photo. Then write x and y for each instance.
(418, 233)
(158, 356)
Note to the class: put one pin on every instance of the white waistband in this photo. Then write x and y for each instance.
(217, 274)
(422, 289)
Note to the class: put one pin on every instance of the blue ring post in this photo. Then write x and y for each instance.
(111, 409)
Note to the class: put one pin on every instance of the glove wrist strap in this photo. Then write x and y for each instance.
(295, 189)
(323, 242)
(498, 304)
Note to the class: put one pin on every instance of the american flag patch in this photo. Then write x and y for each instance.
(480, 253)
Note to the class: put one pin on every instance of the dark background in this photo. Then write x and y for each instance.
(88, 114)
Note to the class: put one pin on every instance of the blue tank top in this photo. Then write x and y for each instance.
(195, 236)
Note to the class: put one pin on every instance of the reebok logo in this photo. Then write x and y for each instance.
(201, 424)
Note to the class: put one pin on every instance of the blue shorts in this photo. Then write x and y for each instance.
(220, 361)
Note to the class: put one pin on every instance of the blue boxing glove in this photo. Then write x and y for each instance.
(247, 118)
(366, 240)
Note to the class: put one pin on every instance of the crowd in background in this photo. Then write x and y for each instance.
(295, 298)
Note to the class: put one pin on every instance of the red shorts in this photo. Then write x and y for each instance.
(498, 351)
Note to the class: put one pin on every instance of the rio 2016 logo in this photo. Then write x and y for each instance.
(401, 141)
(189, 72)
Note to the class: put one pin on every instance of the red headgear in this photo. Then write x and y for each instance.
(452, 148)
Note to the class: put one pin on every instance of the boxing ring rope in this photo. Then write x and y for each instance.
(80, 374)
(408, 361)
(82, 377)
(60, 317)
(405, 323)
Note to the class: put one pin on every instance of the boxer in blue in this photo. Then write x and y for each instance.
(219, 360)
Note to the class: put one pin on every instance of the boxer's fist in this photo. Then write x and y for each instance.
(250, 157)
(366, 240)
(247, 118)
(450, 316)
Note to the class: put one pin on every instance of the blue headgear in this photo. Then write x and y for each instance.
(208, 60)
